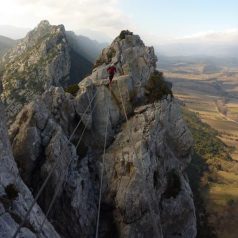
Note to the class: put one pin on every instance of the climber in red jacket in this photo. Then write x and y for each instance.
(111, 71)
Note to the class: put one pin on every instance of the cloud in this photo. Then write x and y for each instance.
(224, 37)
(98, 15)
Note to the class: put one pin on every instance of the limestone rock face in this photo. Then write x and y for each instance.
(145, 190)
(133, 60)
(148, 164)
(39, 144)
(15, 197)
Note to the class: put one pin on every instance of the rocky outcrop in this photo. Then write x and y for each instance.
(38, 61)
(144, 171)
(39, 139)
(145, 190)
(15, 197)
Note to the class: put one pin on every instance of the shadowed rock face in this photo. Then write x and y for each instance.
(145, 191)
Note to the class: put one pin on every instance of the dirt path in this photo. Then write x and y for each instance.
(223, 115)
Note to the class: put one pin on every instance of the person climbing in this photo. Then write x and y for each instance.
(111, 71)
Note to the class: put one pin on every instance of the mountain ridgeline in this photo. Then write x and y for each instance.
(47, 56)
(114, 158)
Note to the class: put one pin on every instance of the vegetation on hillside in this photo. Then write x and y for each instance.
(207, 143)
(213, 179)
(28, 78)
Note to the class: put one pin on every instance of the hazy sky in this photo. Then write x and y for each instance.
(155, 20)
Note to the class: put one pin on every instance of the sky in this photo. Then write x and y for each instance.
(179, 18)
(155, 20)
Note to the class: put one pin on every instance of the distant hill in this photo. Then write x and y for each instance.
(92, 34)
(168, 62)
(216, 44)
(90, 49)
(5, 44)
(13, 32)
(204, 50)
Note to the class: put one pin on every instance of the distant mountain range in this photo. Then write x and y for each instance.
(168, 62)
(199, 49)
(13, 32)
(216, 44)
(90, 49)
(5, 44)
(92, 34)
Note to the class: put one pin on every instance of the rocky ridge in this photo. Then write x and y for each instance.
(42, 59)
(145, 190)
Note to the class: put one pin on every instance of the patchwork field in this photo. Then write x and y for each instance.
(211, 92)
(213, 95)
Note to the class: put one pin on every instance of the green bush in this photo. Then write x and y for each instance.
(157, 87)
(124, 33)
(72, 89)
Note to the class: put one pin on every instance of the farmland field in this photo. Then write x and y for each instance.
(211, 94)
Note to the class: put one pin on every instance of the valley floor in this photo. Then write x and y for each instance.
(213, 97)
